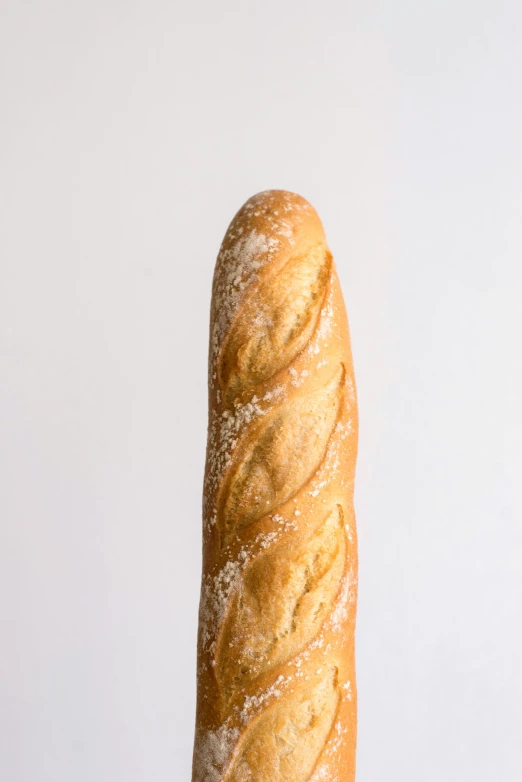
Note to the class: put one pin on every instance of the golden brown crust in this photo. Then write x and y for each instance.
(276, 674)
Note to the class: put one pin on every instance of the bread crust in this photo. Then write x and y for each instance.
(276, 667)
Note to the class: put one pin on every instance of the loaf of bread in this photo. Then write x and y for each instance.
(276, 673)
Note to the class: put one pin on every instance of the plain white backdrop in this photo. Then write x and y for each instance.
(130, 134)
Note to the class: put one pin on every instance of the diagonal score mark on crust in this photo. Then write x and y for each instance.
(265, 338)
(283, 744)
(285, 596)
(285, 452)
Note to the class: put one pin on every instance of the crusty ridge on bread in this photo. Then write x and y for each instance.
(276, 671)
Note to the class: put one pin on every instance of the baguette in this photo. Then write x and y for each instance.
(276, 670)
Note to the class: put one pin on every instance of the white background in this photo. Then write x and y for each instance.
(130, 134)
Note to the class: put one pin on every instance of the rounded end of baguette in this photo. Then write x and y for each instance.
(279, 198)
(281, 215)
(272, 228)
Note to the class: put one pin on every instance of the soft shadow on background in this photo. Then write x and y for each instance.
(130, 134)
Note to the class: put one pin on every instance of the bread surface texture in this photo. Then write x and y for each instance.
(276, 668)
